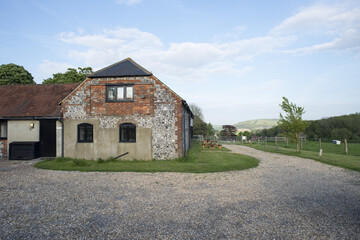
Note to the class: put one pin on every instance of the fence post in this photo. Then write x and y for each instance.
(301, 142)
(242, 139)
(320, 149)
(346, 147)
(258, 141)
(287, 142)
(276, 144)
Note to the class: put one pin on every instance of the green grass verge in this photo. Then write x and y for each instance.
(340, 160)
(197, 161)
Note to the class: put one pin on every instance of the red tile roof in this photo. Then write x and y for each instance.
(33, 100)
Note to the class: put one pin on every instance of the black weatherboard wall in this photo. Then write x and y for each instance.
(48, 138)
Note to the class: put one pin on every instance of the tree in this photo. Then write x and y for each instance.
(210, 130)
(11, 74)
(341, 133)
(228, 130)
(196, 110)
(70, 76)
(292, 122)
(199, 126)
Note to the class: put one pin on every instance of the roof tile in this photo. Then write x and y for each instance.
(124, 68)
(33, 100)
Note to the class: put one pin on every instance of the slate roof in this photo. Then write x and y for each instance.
(124, 68)
(33, 100)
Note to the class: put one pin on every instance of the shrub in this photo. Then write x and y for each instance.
(100, 160)
(79, 162)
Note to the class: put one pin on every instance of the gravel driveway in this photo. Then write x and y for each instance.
(284, 198)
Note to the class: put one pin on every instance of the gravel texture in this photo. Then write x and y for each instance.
(284, 198)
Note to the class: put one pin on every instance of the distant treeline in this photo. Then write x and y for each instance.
(341, 127)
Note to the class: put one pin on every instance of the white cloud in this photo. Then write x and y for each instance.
(182, 62)
(128, 2)
(337, 28)
(47, 68)
(334, 28)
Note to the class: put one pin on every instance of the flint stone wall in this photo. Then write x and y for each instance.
(3, 149)
(162, 120)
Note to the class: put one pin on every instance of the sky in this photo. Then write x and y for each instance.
(234, 59)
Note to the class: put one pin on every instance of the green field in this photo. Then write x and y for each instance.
(198, 161)
(353, 148)
(332, 154)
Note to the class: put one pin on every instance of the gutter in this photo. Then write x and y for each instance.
(30, 118)
(62, 137)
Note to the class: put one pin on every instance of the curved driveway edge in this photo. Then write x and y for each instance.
(283, 198)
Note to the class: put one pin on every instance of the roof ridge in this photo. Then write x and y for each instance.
(139, 66)
(102, 69)
(124, 68)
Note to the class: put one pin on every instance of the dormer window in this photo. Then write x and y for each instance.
(119, 93)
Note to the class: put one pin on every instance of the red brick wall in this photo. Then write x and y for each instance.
(143, 102)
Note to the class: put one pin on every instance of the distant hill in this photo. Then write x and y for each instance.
(252, 125)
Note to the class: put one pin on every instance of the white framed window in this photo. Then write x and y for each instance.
(119, 93)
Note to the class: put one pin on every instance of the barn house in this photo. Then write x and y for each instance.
(120, 109)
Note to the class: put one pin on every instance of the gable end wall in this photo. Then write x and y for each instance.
(155, 107)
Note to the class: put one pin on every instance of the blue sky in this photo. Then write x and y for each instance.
(234, 59)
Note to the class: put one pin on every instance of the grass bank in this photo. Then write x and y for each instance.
(341, 160)
(198, 160)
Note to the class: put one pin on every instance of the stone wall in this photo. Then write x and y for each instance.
(3, 149)
(155, 106)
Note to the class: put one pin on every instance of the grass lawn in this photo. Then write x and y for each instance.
(198, 160)
(327, 147)
(341, 160)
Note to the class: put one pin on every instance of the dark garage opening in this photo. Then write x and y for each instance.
(24, 150)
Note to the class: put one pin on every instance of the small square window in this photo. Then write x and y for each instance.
(119, 93)
(127, 132)
(85, 132)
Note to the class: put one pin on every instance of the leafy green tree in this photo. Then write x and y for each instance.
(228, 130)
(292, 122)
(196, 110)
(210, 130)
(11, 74)
(199, 126)
(72, 75)
(247, 134)
(341, 133)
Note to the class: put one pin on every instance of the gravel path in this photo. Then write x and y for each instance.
(284, 198)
